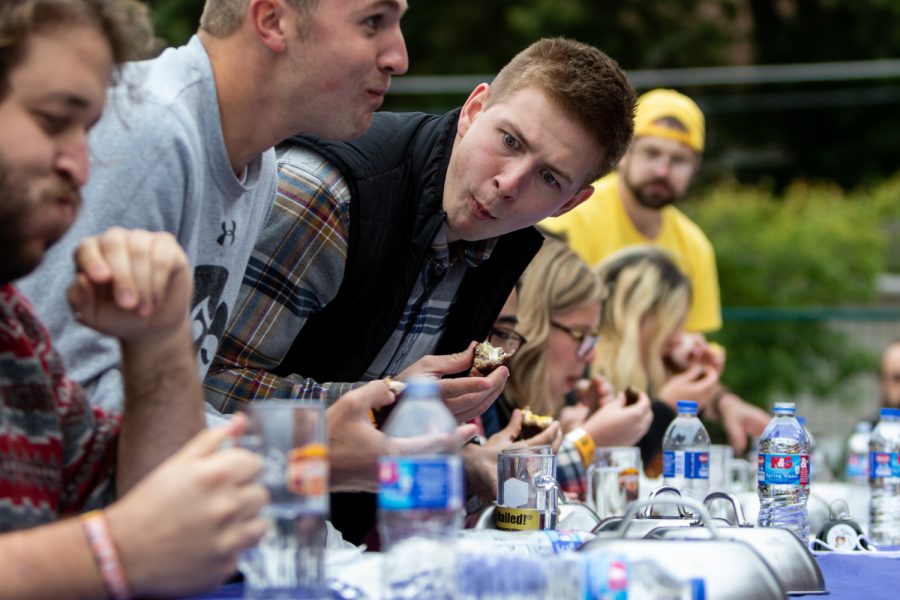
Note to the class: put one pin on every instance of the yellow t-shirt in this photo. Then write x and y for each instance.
(600, 226)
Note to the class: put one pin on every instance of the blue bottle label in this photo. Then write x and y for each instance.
(782, 469)
(690, 465)
(884, 464)
(565, 540)
(857, 466)
(414, 482)
(606, 577)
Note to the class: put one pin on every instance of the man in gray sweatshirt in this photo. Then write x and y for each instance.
(185, 147)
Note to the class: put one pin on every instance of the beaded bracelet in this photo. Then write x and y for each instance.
(105, 554)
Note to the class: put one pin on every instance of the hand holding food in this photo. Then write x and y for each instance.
(533, 424)
(489, 357)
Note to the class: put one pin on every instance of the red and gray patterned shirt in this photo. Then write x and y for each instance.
(57, 455)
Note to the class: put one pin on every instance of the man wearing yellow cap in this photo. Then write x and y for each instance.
(635, 204)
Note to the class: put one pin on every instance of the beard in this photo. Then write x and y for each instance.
(654, 200)
(13, 213)
(17, 207)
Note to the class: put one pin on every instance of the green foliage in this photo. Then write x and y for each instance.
(885, 201)
(481, 36)
(777, 132)
(176, 20)
(812, 247)
(829, 30)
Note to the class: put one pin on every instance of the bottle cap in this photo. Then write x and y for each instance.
(698, 589)
(890, 412)
(784, 408)
(422, 386)
(687, 406)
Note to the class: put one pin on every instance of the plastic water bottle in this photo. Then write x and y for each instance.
(884, 479)
(420, 495)
(649, 581)
(782, 474)
(495, 574)
(686, 453)
(818, 465)
(857, 470)
(607, 576)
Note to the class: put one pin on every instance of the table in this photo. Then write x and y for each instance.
(855, 576)
(848, 576)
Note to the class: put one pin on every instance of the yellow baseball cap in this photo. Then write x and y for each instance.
(658, 104)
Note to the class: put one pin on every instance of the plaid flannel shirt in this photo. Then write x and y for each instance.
(296, 269)
(570, 470)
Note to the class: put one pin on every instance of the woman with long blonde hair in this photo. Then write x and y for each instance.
(647, 303)
(644, 344)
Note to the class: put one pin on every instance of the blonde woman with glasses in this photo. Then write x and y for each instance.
(559, 314)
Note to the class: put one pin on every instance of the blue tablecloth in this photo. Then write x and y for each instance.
(860, 576)
(233, 590)
(855, 576)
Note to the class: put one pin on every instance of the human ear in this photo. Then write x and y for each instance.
(268, 20)
(574, 201)
(473, 107)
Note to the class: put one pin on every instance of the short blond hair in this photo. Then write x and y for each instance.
(585, 83)
(221, 18)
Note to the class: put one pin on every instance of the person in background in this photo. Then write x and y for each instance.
(889, 375)
(179, 530)
(559, 315)
(391, 255)
(636, 203)
(643, 343)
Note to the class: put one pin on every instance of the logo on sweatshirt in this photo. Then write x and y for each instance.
(227, 233)
(209, 315)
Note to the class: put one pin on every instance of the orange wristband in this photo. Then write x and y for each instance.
(584, 443)
(105, 555)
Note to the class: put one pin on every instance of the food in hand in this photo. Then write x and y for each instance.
(533, 424)
(394, 386)
(631, 396)
(488, 357)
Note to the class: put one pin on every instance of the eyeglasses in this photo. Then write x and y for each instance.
(680, 163)
(508, 339)
(586, 341)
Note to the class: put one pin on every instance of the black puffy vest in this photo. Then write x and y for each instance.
(395, 173)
